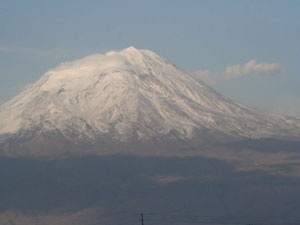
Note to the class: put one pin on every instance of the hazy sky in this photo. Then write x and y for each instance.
(247, 50)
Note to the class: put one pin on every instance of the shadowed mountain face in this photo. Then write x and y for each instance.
(116, 189)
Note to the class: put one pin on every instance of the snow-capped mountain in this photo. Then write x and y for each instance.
(131, 96)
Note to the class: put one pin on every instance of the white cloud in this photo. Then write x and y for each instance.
(249, 68)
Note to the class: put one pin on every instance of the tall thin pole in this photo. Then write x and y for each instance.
(142, 218)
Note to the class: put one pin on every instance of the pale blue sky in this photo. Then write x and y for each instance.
(36, 35)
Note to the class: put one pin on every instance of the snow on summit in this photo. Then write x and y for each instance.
(132, 95)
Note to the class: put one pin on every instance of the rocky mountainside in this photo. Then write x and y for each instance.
(130, 96)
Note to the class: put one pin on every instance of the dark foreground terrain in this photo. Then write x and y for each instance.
(168, 190)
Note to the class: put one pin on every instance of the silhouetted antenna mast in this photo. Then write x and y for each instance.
(142, 218)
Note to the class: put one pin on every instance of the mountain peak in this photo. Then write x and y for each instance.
(133, 56)
(82, 71)
(129, 59)
(131, 49)
(127, 50)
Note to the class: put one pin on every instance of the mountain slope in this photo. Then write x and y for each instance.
(130, 96)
